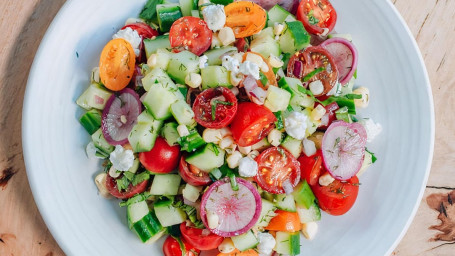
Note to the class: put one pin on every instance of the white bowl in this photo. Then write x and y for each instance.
(84, 223)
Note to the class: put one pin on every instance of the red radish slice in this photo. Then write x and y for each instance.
(120, 115)
(345, 56)
(343, 149)
(237, 210)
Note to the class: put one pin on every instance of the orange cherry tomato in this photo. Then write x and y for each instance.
(245, 18)
(236, 252)
(117, 64)
(285, 221)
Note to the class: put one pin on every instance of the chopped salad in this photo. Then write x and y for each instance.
(228, 125)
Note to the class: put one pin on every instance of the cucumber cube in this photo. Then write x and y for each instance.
(165, 184)
(304, 197)
(159, 99)
(277, 14)
(309, 215)
(167, 214)
(101, 143)
(152, 45)
(170, 134)
(94, 97)
(214, 55)
(294, 38)
(214, 76)
(277, 99)
(287, 243)
(191, 193)
(267, 213)
(157, 75)
(143, 134)
(285, 202)
(207, 158)
(183, 113)
(245, 241)
(182, 64)
(292, 145)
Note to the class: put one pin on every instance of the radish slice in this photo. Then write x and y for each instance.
(120, 115)
(345, 56)
(237, 210)
(343, 149)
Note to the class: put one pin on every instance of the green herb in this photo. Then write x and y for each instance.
(343, 114)
(129, 175)
(122, 183)
(191, 212)
(312, 19)
(279, 124)
(234, 184)
(148, 13)
(313, 73)
(373, 157)
(135, 199)
(355, 74)
(263, 79)
(216, 102)
(182, 67)
(289, 108)
(138, 178)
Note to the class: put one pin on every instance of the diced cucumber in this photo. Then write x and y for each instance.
(245, 241)
(135, 212)
(167, 214)
(94, 97)
(277, 14)
(191, 142)
(183, 113)
(181, 64)
(344, 36)
(195, 13)
(294, 37)
(277, 99)
(101, 143)
(170, 134)
(163, 56)
(298, 98)
(148, 229)
(267, 213)
(261, 145)
(165, 184)
(167, 14)
(143, 134)
(303, 195)
(287, 243)
(152, 45)
(266, 46)
(285, 202)
(309, 215)
(214, 76)
(191, 192)
(207, 158)
(91, 121)
(290, 18)
(266, 32)
(157, 75)
(133, 169)
(214, 55)
(292, 145)
(367, 162)
(222, 2)
(187, 6)
(159, 99)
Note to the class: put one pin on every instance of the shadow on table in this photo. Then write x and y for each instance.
(15, 187)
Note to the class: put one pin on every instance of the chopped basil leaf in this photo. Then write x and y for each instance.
(373, 157)
(312, 19)
(263, 79)
(279, 124)
(138, 178)
(313, 73)
(122, 183)
(149, 10)
(129, 175)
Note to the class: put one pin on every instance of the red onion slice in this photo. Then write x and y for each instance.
(120, 115)
(237, 210)
(344, 55)
(343, 149)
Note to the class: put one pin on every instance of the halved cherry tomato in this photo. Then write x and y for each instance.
(236, 252)
(284, 221)
(172, 248)
(329, 115)
(144, 30)
(117, 64)
(317, 16)
(162, 158)
(111, 186)
(312, 64)
(215, 107)
(338, 197)
(275, 167)
(310, 167)
(251, 124)
(192, 175)
(245, 18)
(271, 78)
(190, 33)
(196, 238)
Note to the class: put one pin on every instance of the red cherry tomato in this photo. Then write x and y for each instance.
(338, 197)
(172, 248)
(310, 167)
(162, 158)
(198, 240)
(215, 107)
(251, 124)
(317, 16)
(276, 166)
(111, 186)
(312, 64)
(329, 115)
(144, 30)
(190, 33)
(192, 175)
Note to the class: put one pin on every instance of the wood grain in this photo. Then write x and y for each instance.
(22, 26)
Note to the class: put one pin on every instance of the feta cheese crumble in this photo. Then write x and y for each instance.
(132, 37)
(122, 159)
(373, 129)
(248, 167)
(296, 124)
(266, 244)
(231, 64)
(203, 61)
(214, 16)
(249, 68)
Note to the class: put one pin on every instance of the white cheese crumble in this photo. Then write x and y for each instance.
(132, 37)
(249, 68)
(122, 159)
(296, 124)
(248, 167)
(266, 244)
(203, 61)
(373, 129)
(214, 16)
(231, 64)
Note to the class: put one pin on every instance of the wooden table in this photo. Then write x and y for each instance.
(22, 26)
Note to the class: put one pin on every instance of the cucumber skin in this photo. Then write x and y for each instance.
(201, 158)
(303, 195)
(288, 243)
(148, 227)
(152, 45)
(91, 121)
(167, 15)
